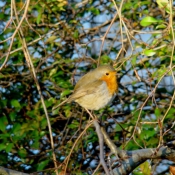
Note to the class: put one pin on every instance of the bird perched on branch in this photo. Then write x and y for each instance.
(96, 89)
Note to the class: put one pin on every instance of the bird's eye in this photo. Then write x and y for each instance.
(107, 73)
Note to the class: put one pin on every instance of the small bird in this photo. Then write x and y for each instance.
(96, 89)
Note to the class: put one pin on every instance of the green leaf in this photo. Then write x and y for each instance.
(74, 124)
(158, 73)
(53, 71)
(31, 114)
(49, 103)
(3, 123)
(43, 123)
(55, 112)
(35, 144)
(61, 5)
(157, 112)
(94, 10)
(38, 19)
(67, 110)
(119, 128)
(152, 141)
(133, 61)
(2, 146)
(1, 16)
(171, 113)
(51, 39)
(65, 92)
(42, 133)
(146, 134)
(149, 52)
(148, 21)
(145, 168)
(161, 26)
(22, 153)
(16, 129)
(76, 34)
(15, 103)
(164, 4)
(137, 173)
(9, 147)
(42, 164)
(3, 103)
(105, 59)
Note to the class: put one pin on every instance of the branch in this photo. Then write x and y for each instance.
(14, 34)
(101, 144)
(6, 171)
(131, 159)
(139, 156)
(32, 68)
(112, 146)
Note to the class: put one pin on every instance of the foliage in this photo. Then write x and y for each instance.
(66, 39)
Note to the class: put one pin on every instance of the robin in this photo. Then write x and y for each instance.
(96, 89)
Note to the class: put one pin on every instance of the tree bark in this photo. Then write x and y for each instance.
(6, 171)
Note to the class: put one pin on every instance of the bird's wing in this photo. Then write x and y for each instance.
(86, 90)
(85, 80)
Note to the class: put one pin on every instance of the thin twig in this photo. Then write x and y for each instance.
(103, 39)
(141, 108)
(73, 146)
(30, 64)
(15, 32)
(101, 144)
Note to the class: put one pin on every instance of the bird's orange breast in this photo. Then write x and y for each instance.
(111, 81)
